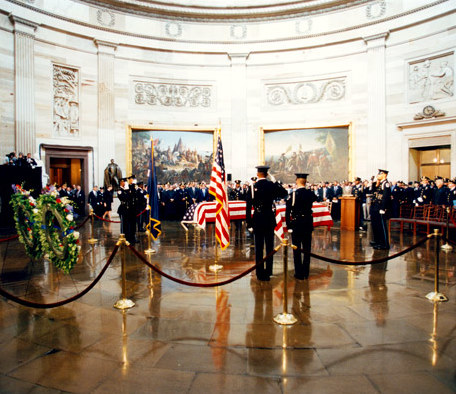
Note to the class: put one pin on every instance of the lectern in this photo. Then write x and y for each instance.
(350, 213)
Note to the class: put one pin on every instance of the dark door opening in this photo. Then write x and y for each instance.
(63, 170)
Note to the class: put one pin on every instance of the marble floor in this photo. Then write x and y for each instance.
(363, 329)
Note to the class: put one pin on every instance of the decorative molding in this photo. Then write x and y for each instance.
(173, 29)
(376, 10)
(428, 112)
(106, 17)
(66, 101)
(431, 78)
(303, 26)
(239, 32)
(305, 92)
(172, 94)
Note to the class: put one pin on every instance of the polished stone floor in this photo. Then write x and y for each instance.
(360, 329)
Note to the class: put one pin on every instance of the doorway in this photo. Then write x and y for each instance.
(432, 161)
(64, 170)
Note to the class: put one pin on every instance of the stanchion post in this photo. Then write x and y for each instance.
(285, 318)
(124, 302)
(435, 295)
(446, 247)
(216, 266)
(92, 240)
(149, 249)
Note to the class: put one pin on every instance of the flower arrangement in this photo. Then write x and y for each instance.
(52, 228)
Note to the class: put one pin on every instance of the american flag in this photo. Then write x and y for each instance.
(217, 188)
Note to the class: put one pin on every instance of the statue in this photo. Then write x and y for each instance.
(112, 175)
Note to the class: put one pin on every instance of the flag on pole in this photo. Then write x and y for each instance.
(217, 188)
(154, 225)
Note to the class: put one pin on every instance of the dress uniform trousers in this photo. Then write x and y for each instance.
(302, 238)
(263, 226)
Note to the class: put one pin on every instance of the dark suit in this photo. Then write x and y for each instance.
(381, 201)
(300, 221)
(96, 202)
(261, 197)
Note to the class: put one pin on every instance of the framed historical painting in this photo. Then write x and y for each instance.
(180, 155)
(324, 153)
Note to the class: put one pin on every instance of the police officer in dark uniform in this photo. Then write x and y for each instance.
(440, 192)
(380, 210)
(237, 194)
(131, 210)
(121, 210)
(261, 197)
(426, 192)
(300, 223)
(451, 196)
(359, 193)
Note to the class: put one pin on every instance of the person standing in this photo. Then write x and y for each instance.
(261, 197)
(95, 200)
(299, 220)
(108, 199)
(380, 210)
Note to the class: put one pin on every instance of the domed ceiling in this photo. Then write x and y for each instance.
(225, 10)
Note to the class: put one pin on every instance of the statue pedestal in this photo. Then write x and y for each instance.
(350, 213)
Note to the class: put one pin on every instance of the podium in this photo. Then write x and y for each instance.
(349, 213)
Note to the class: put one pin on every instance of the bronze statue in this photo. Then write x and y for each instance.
(112, 175)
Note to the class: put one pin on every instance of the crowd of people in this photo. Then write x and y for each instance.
(11, 159)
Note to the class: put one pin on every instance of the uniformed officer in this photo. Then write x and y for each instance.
(451, 196)
(300, 223)
(380, 210)
(121, 210)
(261, 197)
(441, 192)
(237, 194)
(131, 210)
(426, 192)
(359, 193)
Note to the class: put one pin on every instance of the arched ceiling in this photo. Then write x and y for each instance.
(225, 10)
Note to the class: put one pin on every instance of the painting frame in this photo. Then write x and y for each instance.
(132, 128)
(263, 130)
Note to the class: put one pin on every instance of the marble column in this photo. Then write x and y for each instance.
(106, 106)
(24, 42)
(238, 115)
(376, 112)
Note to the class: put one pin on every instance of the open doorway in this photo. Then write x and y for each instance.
(63, 170)
(432, 161)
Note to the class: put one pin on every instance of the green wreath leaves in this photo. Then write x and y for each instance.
(47, 225)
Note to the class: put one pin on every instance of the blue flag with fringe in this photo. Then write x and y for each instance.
(154, 226)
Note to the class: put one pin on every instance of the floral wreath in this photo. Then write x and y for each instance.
(52, 229)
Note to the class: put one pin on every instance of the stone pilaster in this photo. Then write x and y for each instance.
(376, 93)
(106, 106)
(239, 115)
(24, 42)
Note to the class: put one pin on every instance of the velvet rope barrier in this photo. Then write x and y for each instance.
(38, 305)
(118, 221)
(9, 238)
(193, 284)
(83, 222)
(375, 261)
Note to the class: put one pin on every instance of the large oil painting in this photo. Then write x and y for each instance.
(180, 156)
(323, 153)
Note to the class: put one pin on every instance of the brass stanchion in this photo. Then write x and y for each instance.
(216, 267)
(149, 249)
(435, 295)
(124, 302)
(92, 240)
(285, 318)
(446, 247)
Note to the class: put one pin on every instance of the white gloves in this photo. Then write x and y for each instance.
(382, 212)
(420, 199)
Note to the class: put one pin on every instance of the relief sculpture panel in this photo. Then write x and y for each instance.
(66, 101)
(431, 78)
(305, 92)
(172, 94)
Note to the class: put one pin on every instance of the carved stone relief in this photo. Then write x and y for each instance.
(172, 94)
(173, 29)
(303, 26)
(305, 92)
(238, 32)
(431, 78)
(376, 10)
(106, 17)
(66, 101)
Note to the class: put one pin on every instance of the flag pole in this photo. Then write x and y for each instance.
(217, 267)
(149, 249)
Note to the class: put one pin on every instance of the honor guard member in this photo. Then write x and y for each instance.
(299, 220)
(380, 209)
(261, 197)
(426, 192)
(358, 192)
(451, 197)
(142, 204)
(131, 210)
(121, 210)
(237, 194)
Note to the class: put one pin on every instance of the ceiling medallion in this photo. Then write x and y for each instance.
(173, 29)
(428, 112)
(376, 10)
(238, 31)
(303, 26)
(106, 17)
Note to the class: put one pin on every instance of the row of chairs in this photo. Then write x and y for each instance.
(424, 216)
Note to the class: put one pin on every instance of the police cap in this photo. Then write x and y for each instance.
(380, 171)
(262, 169)
(132, 177)
(301, 175)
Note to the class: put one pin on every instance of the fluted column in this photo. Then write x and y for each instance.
(106, 105)
(24, 42)
(239, 114)
(376, 92)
